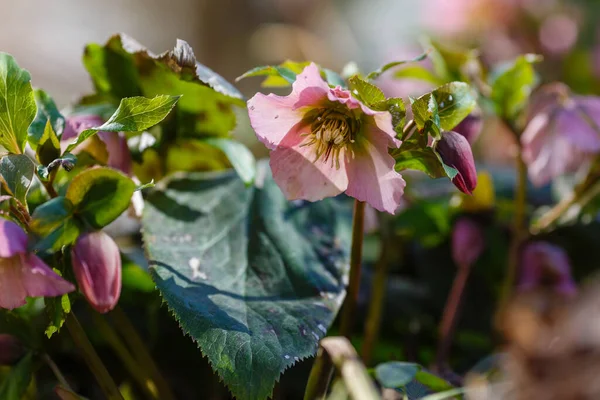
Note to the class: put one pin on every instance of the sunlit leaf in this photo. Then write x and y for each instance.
(16, 175)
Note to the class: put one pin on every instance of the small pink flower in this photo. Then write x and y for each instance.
(544, 264)
(22, 274)
(467, 242)
(326, 142)
(562, 134)
(119, 156)
(97, 267)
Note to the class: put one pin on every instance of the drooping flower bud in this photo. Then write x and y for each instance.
(11, 349)
(546, 265)
(471, 126)
(97, 267)
(467, 242)
(455, 151)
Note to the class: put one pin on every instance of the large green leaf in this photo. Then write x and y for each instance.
(124, 68)
(455, 100)
(54, 224)
(253, 279)
(16, 175)
(17, 104)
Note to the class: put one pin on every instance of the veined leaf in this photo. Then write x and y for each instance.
(46, 112)
(16, 175)
(455, 100)
(253, 279)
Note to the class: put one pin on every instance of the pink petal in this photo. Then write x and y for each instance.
(78, 123)
(371, 173)
(119, 156)
(13, 240)
(12, 291)
(572, 125)
(299, 176)
(272, 116)
(40, 281)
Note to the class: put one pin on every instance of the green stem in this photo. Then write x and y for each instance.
(56, 371)
(451, 315)
(350, 305)
(107, 385)
(519, 229)
(378, 292)
(135, 370)
(140, 351)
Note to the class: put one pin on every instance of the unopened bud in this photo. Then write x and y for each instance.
(471, 126)
(467, 242)
(97, 267)
(455, 151)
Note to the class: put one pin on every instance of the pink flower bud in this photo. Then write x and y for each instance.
(546, 265)
(467, 242)
(455, 151)
(97, 266)
(11, 349)
(471, 126)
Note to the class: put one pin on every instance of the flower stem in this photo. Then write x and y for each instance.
(107, 385)
(140, 351)
(519, 229)
(378, 292)
(350, 305)
(451, 315)
(56, 371)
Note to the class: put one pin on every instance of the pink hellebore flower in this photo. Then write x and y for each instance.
(562, 134)
(467, 242)
(119, 156)
(326, 142)
(97, 267)
(544, 264)
(22, 274)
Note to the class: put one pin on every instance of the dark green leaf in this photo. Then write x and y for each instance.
(125, 68)
(17, 172)
(512, 85)
(14, 386)
(423, 159)
(57, 308)
(253, 279)
(99, 195)
(17, 104)
(239, 156)
(134, 114)
(455, 100)
(48, 148)
(375, 74)
(396, 374)
(365, 91)
(54, 224)
(46, 111)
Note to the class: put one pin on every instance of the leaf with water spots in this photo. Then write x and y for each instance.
(254, 279)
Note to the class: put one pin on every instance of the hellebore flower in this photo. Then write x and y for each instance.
(467, 242)
(22, 274)
(562, 134)
(11, 349)
(455, 151)
(97, 267)
(325, 142)
(119, 156)
(471, 126)
(544, 264)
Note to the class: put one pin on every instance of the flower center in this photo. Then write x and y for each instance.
(330, 132)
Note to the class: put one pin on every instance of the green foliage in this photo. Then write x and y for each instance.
(375, 74)
(58, 309)
(240, 157)
(134, 114)
(452, 63)
(48, 148)
(16, 175)
(512, 84)
(17, 104)
(47, 112)
(99, 195)
(396, 374)
(454, 100)
(54, 224)
(365, 91)
(14, 386)
(253, 279)
(124, 68)
(418, 72)
(284, 74)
